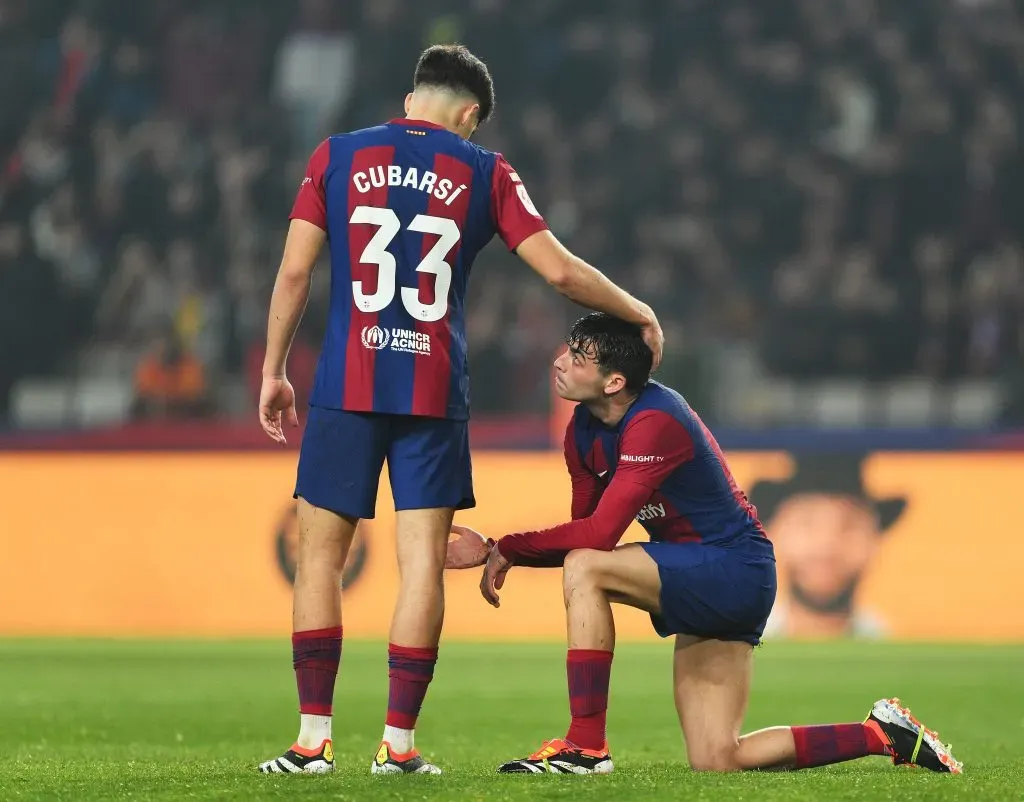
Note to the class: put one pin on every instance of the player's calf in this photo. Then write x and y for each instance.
(324, 541)
(419, 612)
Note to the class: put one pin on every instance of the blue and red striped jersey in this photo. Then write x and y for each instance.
(660, 466)
(407, 206)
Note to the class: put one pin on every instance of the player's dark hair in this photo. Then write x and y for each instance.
(454, 68)
(615, 345)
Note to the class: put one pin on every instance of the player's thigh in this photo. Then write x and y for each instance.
(325, 538)
(340, 460)
(627, 575)
(712, 686)
(429, 464)
(712, 592)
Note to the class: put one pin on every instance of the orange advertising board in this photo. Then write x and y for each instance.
(909, 546)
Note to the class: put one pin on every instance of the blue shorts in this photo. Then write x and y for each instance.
(712, 592)
(343, 453)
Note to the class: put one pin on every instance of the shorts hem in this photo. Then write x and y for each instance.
(463, 504)
(665, 630)
(333, 508)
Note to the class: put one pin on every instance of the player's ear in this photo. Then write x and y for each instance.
(408, 103)
(470, 119)
(614, 383)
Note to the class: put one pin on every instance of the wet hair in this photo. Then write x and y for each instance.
(615, 345)
(454, 68)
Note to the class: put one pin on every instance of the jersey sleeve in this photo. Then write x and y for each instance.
(616, 508)
(586, 488)
(311, 200)
(515, 216)
(653, 445)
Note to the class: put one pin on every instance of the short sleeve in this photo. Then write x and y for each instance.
(653, 446)
(515, 216)
(311, 200)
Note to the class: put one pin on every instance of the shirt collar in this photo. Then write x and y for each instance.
(416, 124)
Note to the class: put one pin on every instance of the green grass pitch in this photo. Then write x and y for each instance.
(83, 720)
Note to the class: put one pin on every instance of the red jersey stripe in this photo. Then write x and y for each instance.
(360, 359)
(432, 377)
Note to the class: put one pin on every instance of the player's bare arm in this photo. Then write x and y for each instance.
(291, 292)
(586, 285)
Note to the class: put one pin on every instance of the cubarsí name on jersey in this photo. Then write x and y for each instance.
(394, 176)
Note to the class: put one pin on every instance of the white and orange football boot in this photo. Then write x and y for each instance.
(302, 761)
(912, 744)
(387, 761)
(558, 756)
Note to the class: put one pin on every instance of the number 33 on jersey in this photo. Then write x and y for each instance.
(407, 206)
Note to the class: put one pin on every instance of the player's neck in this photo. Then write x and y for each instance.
(433, 113)
(611, 411)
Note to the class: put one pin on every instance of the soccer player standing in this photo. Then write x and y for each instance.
(405, 208)
(636, 450)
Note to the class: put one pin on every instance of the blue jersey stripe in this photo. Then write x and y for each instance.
(328, 388)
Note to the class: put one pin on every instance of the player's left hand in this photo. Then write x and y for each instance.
(277, 401)
(494, 577)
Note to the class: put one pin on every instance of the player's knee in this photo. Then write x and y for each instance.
(421, 573)
(320, 553)
(710, 758)
(324, 538)
(580, 571)
(580, 566)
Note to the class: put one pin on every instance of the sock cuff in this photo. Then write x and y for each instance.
(589, 656)
(316, 634)
(801, 757)
(412, 653)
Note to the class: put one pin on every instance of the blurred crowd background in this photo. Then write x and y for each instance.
(823, 199)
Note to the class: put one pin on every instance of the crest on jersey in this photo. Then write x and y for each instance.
(526, 200)
(375, 337)
(524, 196)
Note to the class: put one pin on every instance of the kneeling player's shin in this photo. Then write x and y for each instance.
(823, 744)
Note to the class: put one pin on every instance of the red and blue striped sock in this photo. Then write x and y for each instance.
(589, 672)
(410, 671)
(316, 654)
(823, 744)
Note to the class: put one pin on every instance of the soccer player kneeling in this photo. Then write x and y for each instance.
(636, 450)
